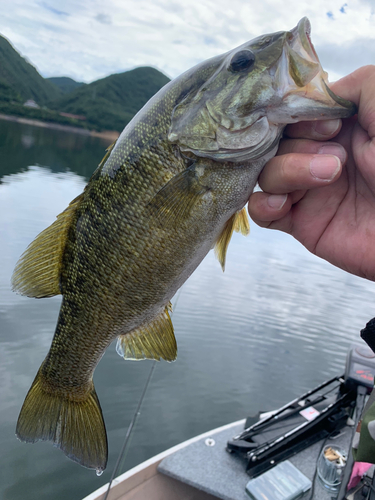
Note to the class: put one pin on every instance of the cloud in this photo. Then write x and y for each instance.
(53, 10)
(88, 44)
(338, 58)
(103, 18)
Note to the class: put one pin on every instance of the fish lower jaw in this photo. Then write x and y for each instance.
(314, 101)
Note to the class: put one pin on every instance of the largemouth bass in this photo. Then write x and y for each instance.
(172, 187)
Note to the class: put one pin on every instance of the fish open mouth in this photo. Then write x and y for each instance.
(310, 81)
(303, 31)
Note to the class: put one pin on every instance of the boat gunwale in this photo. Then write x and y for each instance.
(150, 464)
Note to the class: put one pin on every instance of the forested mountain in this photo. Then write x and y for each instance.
(19, 80)
(106, 104)
(113, 101)
(65, 83)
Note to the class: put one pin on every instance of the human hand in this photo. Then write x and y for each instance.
(320, 188)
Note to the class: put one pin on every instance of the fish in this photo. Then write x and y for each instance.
(171, 188)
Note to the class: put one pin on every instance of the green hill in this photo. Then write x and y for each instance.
(19, 80)
(110, 103)
(106, 104)
(65, 83)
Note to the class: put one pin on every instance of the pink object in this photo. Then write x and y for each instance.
(359, 470)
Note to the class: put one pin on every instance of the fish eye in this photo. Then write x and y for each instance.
(244, 59)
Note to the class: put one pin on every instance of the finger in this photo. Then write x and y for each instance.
(265, 208)
(271, 211)
(321, 130)
(352, 86)
(307, 146)
(359, 87)
(295, 171)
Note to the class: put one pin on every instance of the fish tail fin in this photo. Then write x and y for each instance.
(76, 427)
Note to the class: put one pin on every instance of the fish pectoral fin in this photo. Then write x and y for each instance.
(172, 205)
(154, 340)
(37, 273)
(239, 222)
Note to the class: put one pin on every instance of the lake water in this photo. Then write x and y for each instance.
(277, 322)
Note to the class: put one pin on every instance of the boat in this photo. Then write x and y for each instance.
(278, 455)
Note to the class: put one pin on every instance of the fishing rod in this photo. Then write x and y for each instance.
(276, 415)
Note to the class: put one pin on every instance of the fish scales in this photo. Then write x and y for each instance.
(172, 187)
(93, 288)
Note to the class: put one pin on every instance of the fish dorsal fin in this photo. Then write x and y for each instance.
(239, 222)
(108, 151)
(154, 340)
(37, 273)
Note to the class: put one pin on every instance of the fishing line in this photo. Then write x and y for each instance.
(130, 428)
(137, 412)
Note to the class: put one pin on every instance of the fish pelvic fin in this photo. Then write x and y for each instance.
(75, 426)
(155, 340)
(239, 222)
(37, 273)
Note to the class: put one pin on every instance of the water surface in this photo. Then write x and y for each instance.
(277, 322)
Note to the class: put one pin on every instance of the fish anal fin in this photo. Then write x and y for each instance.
(239, 222)
(75, 426)
(37, 273)
(154, 340)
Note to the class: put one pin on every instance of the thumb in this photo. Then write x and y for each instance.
(359, 87)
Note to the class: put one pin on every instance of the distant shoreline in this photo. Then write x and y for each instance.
(110, 135)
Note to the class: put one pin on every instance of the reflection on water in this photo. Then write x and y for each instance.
(24, 145)
(278, 322)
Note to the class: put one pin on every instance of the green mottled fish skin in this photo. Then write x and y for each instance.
(148, 216)
(119, 263)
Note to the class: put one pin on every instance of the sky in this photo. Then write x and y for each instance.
(90, 39)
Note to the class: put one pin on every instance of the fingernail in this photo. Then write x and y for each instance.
(330, 149)
(324, 167)
(277, 201)
(327, 127)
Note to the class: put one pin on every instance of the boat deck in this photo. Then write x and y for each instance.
(202, 469)
(213, 470)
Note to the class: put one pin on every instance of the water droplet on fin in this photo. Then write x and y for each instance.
(99, 472)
